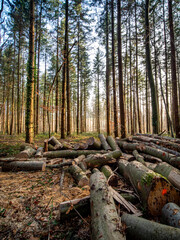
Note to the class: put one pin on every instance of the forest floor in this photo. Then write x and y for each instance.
(29, 201)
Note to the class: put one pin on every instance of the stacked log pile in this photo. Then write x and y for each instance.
(148, 163)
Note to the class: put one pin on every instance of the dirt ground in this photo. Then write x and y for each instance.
(29, 201)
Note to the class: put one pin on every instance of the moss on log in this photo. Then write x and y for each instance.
(112, 143)
(79, 175)
(111, 177)
(104, 143)
(24, 166)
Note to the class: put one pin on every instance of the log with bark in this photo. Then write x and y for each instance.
(45, 145)
(70, 153)
(138, 228)
(54, 142)
(78, 159)
(24, 166)
(39, 153)
(102, 159)
(138, 157)
(171, 215)
(105, 222)
(81, 146)
(104, 143)
(112, 143)
(27, 153)
(109, 174)
(150, 158)
(93, 144)
(154, 190)
(168, 171)
(128, 157)
(79, 175)
(60, 165)
(73, 208)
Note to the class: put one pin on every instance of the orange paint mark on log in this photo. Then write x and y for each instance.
(164, 191)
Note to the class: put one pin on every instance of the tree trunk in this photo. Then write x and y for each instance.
(138, 228)
(171, 215)
(93, 144)
(173, 73)
(39, 152)
(27, 153)
(112, 143)
(111, 177)
(24, 166)
(104, 218)
(57, 78)
(113, 73)
(138, 157)
(155, 119)
(44, 99)
(30, 81)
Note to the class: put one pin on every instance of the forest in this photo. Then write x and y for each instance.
(90, 119)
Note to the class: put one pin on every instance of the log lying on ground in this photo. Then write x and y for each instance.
(171, 215)
(168, 171)
(111, 177)
(67, 146)
(128, 157)
(70, 153)
(169, 158)
(81, 146)
(27, 153)
(79, 175)
(138, 228)
(60, 165)
(154, 190)
(150, 158)
(112, 143)
(78, 159)
(39, 153)
(104, 143)
(93, 144)
(24, 166)
(104, 219)
(138, 157)
(102, 159)
(166, 149)
(69, 209)
(45, 145)
(25, 145)
(54, 142)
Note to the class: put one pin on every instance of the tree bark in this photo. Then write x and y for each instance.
(104, 218)
(24, 166)
(79, 175)
(112, 143)
(104, 143)
(27, 153)
(138, 157)
(138, 228)
(93, 144)
(39, 152)
(111, 177)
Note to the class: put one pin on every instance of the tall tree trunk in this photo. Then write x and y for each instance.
(44, 99)
(155, 118)
(173, 73)
(18, 84)
(57, 78)
(107, 71)
(38, 70)
(30, 80)
(7, 112)
(147, 105)
(68, 81)
(137, 79)
(98, 101)
(113, 73)
(13, 80)
(64, 83)
(120, 68)
(78, 72)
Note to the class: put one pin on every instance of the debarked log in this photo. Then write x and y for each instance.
(70, 153)
(72, 208)
(105, 222)
(27, 153)
(171, 215)
(138, 228)
(79, 175)
(24, 166)
(102, 159)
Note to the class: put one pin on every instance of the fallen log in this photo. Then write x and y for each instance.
(111, 177)
(78, 159)
(128, 157)
(93, 144)
(166, 149)
(67, 146)
(104, 143)
(81, 146)
(73, 208)
(112, 143)
(122, 164)
(102, 159)
(70, 153)
(105, 222)
(138, 157)
(39, 153)
(24, 166)
(83, 166)
(79, 175)
(60, 165)
(154, 190)
(171, 215)
(54, 142)
(150, 158)
(138, 228)
(51, 148)
(27, 153)
(168, 171)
